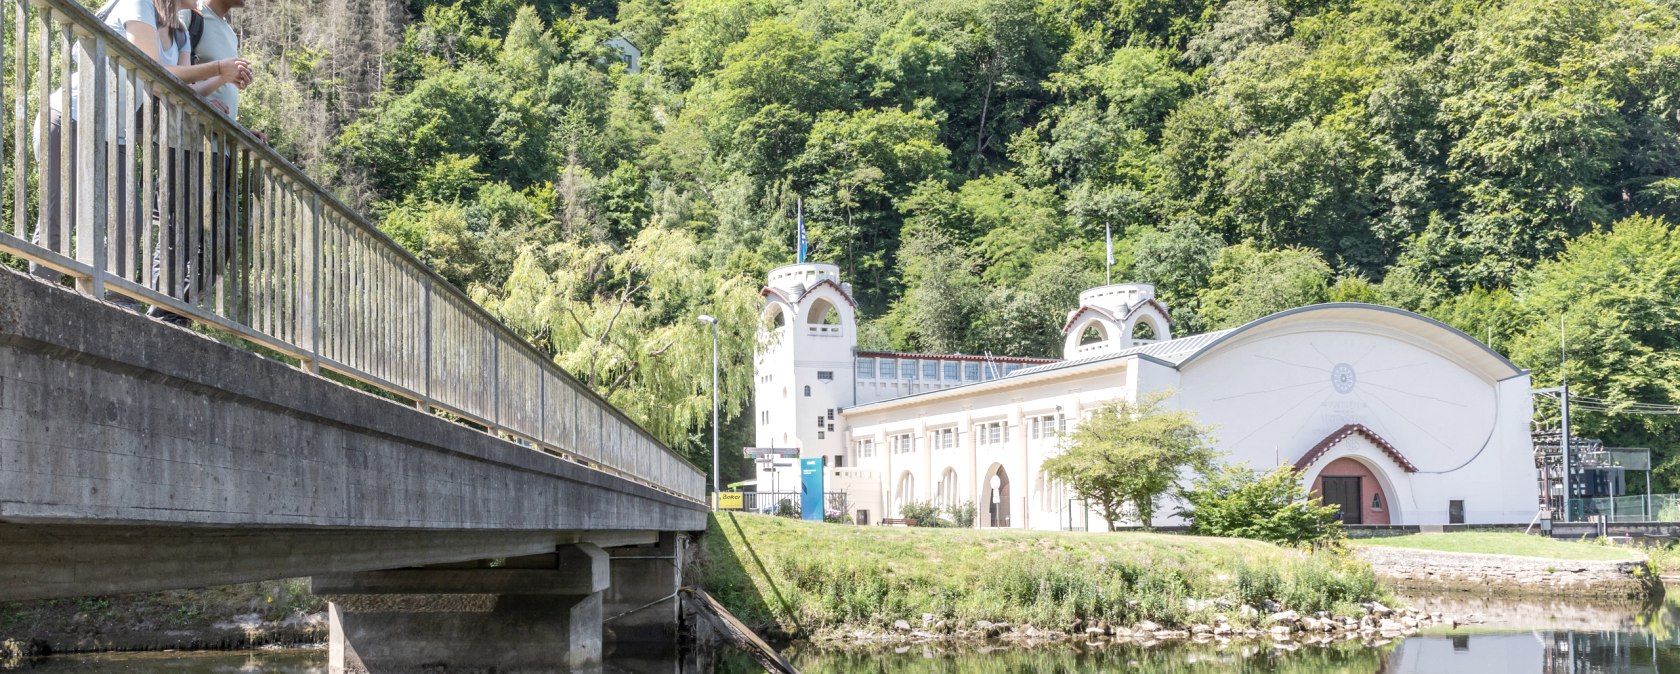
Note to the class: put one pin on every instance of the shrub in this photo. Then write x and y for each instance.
(921, 514)
(1238, 502)
(963, 515)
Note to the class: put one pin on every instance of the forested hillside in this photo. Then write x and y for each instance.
(1502, 166)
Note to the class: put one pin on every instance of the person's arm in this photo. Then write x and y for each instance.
(225, 71)
(204, 77)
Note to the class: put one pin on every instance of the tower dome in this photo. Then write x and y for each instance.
(1115, 317)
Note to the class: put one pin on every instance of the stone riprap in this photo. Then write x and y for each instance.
(1407, 568)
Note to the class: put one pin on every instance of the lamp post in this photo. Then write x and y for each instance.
(713, 321)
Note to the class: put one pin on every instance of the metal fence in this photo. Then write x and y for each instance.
(162, 199)
(1649, 508)
(789, 503)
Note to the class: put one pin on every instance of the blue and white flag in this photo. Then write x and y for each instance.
(800, 216)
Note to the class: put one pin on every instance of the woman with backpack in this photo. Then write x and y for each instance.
(154, 27)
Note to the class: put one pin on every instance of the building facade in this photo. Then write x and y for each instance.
(1394, 417)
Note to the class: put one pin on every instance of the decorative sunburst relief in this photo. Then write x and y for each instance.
(1279, 394)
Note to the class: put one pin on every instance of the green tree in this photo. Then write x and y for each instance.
(1240, 502)
(1618, 295)
(625, 323)
(1247, 282)
(1128, 454)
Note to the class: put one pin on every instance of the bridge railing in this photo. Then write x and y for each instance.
(162, 199)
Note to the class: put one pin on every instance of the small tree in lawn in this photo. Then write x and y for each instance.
(1272, 506)
(1129, 454)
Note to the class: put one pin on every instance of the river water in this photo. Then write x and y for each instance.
(1513, 637)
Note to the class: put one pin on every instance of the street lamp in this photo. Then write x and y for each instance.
(715, 491)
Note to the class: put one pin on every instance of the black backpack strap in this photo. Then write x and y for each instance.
(195, 30)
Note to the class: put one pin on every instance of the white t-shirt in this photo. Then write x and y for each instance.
(120, 13)
(217, 42)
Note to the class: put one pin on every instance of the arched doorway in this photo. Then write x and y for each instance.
(995, 490)
(1356, 490)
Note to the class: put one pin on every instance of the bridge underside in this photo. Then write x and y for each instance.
(135, 455)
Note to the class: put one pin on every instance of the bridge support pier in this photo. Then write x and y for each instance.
(642, 606)
(524, 615)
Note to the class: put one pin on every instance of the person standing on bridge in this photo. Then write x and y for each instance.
(154, 28)
(213, 41)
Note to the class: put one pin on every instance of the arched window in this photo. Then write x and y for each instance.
(823, 313)
(1092, 334)
(778, 318)
(906, 491)
(807, 391)
(947, 494)
(1143, 330)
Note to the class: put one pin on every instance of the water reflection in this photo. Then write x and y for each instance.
(1489, 653)
(1520, 637)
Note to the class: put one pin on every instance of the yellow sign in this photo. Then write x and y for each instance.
(729, 500)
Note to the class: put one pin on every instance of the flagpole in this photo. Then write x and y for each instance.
(1108, 234)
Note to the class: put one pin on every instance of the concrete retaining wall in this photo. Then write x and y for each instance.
(1430, 570)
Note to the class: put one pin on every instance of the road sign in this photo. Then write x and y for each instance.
(730, 500)
(770, 451)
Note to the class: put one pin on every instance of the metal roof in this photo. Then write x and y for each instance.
(1172, 351)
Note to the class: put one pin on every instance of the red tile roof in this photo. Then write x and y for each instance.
(1341, 434)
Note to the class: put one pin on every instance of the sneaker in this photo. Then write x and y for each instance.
(169, 317)
(124, 301)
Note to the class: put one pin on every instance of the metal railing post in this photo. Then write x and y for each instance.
(90, 197)
(311, 301)
(425, 402)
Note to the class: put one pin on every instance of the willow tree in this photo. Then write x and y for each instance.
(626, 324)
(1127, 454)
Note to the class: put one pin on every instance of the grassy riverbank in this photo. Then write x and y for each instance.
(1521, 545)
(807, 576)
(221, 617)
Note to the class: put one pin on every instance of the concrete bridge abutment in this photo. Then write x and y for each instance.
(642, 605)
(522, 615)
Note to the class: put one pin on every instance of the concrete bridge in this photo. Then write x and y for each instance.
(463, 502)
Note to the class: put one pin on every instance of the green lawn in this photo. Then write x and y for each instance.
(775, 570)
(1521, 545)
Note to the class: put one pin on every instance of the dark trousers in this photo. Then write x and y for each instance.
(193, 243)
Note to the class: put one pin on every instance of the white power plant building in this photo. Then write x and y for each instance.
(1394, 417)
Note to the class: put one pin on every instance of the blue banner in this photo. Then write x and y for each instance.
(811, 489)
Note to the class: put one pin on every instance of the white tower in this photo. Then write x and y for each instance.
(1115, 317)
(804, 370)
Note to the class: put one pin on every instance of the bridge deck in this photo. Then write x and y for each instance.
(196, 448)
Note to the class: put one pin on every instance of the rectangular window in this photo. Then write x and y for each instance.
(1033, 428)
(889, 368)
(825, 375)
(945, 438)
(819, 435)
(821, 421)
(996, 432)
(831, 428)
(866, 368)
(930, 369)
(951, 372)
(971, 371)
(907, 369)
(988, 371)
(831, 414)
